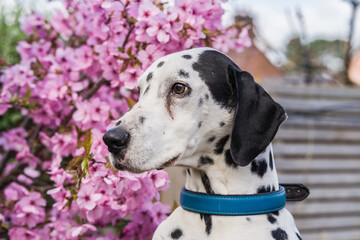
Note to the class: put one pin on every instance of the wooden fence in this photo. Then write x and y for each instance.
(319, 146)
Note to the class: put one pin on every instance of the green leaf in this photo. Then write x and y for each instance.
(5, 226)
(75, 162)
(85, 166)
(125, 65)
(130, 102)
(73, 191)
(129, 51)
(28, 93)
(205, 31)
(88, 142)
(132, 20)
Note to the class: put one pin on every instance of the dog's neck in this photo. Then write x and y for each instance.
(222, 177)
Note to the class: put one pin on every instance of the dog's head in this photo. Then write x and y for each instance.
(192, 102)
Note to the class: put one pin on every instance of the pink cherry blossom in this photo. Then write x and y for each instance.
(84, 56)
(61, 143)
(61, 24)
(149, 55)
(30, 23)
(87, 198)
(61, 195)
(29, 210)
(22, 233)
(14, 139)
(160, 29)
(15, 191)
(80, 230)
(130, 76)
(4, 108)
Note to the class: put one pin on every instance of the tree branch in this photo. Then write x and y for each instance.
(13, 174)
(132, 26)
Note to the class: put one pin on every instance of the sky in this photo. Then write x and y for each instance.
(275, 20)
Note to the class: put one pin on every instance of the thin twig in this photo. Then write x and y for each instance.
(5, 159)
(95, 88)
(132, 26)
(16, 171)
(35, 134)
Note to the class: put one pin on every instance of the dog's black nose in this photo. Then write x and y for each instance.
(116, 139)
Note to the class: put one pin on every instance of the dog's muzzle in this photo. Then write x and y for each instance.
(116, 139)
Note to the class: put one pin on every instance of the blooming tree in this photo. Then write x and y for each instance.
(77, 75)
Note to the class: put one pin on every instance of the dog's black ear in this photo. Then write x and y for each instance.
(257, 118)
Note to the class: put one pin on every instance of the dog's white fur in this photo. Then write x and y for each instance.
(163, 134)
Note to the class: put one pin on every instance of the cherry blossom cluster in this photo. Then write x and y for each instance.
(77, 75)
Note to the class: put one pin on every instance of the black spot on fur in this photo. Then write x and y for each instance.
(264, 189)
(187, 56)
(271, 218)
(271, 161)
(208, 222)
(259, 166)
(184, 74)
(211, 139)
(275, 213)
(205, 180)
(212, 67)
(248, 219)
(205, 160)
(207, 96)
(118, 123)
(141, 119)
(199, 124)
(219, 147)
(160, 64)
(200, 102)
(176, 233)
(279, 234)
(222, 124)
(229, 160)
(147, 89)
(149, 76)
(299, 237)
(188, 171)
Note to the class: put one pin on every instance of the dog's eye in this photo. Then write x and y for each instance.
(179, 88)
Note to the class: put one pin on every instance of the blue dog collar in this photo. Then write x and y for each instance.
(233, 205)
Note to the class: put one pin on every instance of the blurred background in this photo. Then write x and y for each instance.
(307, 55)
(305, 41)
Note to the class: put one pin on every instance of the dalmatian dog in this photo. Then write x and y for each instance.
(197, 109)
